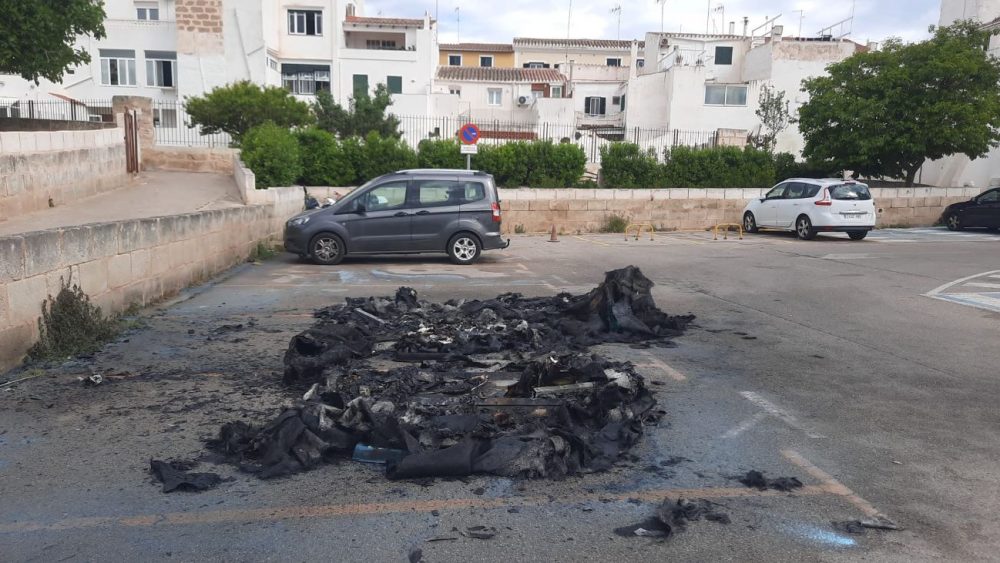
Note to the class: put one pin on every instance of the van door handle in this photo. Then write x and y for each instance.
(424, 212)
(402, 214)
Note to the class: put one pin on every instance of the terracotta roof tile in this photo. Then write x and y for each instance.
(617, 44)
(481, 47)
(496, 74)
(406, 22)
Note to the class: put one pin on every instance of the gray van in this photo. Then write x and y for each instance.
(406, 212)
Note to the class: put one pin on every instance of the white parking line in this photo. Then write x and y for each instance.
(986, 285)
(745, 425)
(979, 301)
(669, 371)
(779, 413)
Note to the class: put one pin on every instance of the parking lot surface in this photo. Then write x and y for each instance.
(862, 368)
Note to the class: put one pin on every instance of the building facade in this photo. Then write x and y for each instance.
(500, 55)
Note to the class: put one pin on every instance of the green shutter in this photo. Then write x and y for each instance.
(395, 84)
(360, 84)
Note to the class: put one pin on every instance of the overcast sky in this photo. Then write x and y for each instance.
(499, 21)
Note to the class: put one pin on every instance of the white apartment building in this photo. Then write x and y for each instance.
(698, 82)
(172, 49)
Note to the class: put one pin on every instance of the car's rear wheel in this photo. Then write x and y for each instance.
(327, 249)
(953, 222)
(804, 228)
(858, 235)
(464, 248)
(749, 222)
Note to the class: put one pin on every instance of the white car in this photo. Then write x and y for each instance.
(808, 206)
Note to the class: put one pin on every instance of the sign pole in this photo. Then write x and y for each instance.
(468, 162)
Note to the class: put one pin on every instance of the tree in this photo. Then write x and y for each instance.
(38, 37)
(366, 114)
(774, 117)
(884, 113)
(237, 108)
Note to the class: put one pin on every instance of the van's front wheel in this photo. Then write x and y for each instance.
(464, 248)
(327, 249)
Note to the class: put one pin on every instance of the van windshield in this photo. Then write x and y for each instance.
(850, 191)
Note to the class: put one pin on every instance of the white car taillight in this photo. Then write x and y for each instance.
(496, 211)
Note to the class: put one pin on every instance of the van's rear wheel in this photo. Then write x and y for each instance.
(464, 248)
(327, 249)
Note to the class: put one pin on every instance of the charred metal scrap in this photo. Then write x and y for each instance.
(503, 386)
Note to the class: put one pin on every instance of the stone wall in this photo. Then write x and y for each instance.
(126, 262)
(17, 124)
(183, 159)
(586, 210)
(42, 167)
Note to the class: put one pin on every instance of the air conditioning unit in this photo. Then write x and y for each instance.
(95, 118)
(523, 100)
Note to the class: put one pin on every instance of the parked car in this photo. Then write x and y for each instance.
(412, 211)
(807, 206)
(980, 211)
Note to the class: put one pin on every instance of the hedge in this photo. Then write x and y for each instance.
(324, 160)
(272, 152)
(625, 165)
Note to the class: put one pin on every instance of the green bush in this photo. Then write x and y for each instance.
(625, 165)
(615, 223)
(786, 167)
(324, 161)
(237, 108)
(539, 164)
(383, 155)
(440, 154)
(354, 151)
(71, 325)
(272, 152)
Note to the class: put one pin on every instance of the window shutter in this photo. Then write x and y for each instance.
(604, 106)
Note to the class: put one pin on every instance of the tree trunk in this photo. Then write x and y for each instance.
(911, 174)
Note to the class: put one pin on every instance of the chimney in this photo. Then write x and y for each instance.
(776, 32)
(732, 28)
(746, 25)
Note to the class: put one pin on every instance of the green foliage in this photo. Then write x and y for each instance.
(625, 165)
(883, 113)
(539, 164)
(71, 325)
(382, 155)
(785, 166)
(237, 108)
(41, 38)
(440, 154)
(324, 160)
(272, 152)
(774, 117)
(366, 114)
(615, 223)
(720, 167)
(519, 229)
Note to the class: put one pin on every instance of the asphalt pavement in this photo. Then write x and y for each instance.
(833, 361)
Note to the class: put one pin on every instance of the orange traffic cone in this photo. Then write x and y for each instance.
(552, 236)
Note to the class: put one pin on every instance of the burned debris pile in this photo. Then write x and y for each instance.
(504, 386)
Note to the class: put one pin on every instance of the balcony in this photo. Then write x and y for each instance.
(379, 55)
(586, 120)
(595, 73)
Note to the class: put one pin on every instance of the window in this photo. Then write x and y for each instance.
(474, 191)
(989, 197)
(454, 60)
(305, 80)
(437, 193)
(395, 84)
(640, 63)
(614, 61)
(618, 101)
(273, 64)
(384, 197)
(796, 190)
(777, 192)
(811, 191)
(456, 90)
(161, 69)
(725, 95)
(117, 67)
(595, 105)
(486, 60)
(536, 65)
(723, 55)
(147, 11)
(381, 44)
(494, 96)
(850, 191)
(305, 22)
(164, 118)
(556, 91)
(360, 84)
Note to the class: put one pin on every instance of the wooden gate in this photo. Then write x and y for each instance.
(132, 141)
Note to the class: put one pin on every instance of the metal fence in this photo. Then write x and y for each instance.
(59, 110)
(590, 139)
(172, 127)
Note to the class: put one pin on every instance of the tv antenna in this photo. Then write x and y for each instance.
(618, 11)
(720, 9)
(802, 16)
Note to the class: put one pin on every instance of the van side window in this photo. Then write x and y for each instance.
(474, 191)
(436, 193)
(385, 197)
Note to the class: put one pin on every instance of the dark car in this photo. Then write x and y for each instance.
(412, 211)
(980, 211)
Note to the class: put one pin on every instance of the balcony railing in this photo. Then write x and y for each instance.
(584, 119)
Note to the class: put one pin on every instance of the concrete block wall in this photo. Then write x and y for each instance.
(586, 210)
(183, 159)
(36, 166)
(126, 262)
